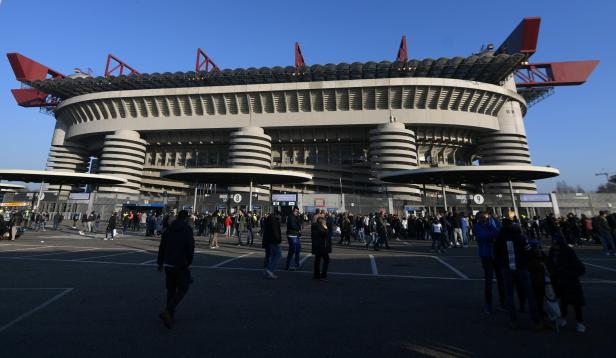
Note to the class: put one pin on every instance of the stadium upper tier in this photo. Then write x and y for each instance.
(485, 67)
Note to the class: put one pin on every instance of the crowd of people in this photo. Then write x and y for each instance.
(511, 250)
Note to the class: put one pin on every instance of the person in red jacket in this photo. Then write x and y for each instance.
(228, 226)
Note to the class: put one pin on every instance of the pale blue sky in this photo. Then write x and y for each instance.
(573, 130)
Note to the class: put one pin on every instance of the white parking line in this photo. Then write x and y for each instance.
(232, 259)
(375, 270)
(35, 309)
(601, 267)
(26, 249)
(301, 262)
(149, 262)
(111, 255)
(59, 253)
(356, 274)
(455, 270)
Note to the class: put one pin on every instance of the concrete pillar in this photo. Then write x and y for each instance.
(250, 147)
(65, 155)
(392, 147)
(508, 145)
(123, 156)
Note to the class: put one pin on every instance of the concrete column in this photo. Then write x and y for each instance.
(392, 147)
(65, 155)
(508, 145)
(123, 156)
(250, 147)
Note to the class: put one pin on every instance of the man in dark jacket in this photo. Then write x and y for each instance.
(175, 254)
(321, 245)
(294, 232)
(486, 232)
(111, 225)
(601, 226)
(513, 253)
(271, 243)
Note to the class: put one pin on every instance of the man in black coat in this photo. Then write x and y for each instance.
(111, 225)
(294, 232)
(175, 254)
(513, 253)
(321, 245)
(566, 269)
(271, 243)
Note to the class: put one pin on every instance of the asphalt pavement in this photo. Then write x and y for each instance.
(68, 295)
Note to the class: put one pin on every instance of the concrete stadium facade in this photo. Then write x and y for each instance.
(339, 131)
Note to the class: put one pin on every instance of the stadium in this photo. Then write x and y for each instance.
(342, 123)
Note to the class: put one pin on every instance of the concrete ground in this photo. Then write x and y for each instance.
(66, 295)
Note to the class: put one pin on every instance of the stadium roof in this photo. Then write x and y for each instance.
(485, 67)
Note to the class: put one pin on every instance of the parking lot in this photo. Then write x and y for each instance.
(69, 294)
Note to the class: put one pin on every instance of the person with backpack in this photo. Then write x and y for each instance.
(345, 230)
(111, 226)
(566, 271)
(513, 253)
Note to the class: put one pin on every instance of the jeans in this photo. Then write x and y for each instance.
(250, 236)
(436, 241)
(177, 281)
(519, 279)
(320, 272)
(607, 242)
(272, 256)
(465, 237)
(295, 248)
(239, 237)
(489, 271)
(360, 235)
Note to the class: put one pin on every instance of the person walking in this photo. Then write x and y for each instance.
(321, 246)
(345, 230)
(294, 233)
(602, 229)
(437, 233)
(271, 243)
(175, 255)
(485, 233)
(566, 270)
(250, 236)
(228, 226)
(241, 227)
(513, 253)
(465, 226)
(111, 226)
(214, 230)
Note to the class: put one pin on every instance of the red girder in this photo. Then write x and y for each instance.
(403, 52)
(119, 65)
(31, 97)
(523, 39)
(554, 73)
(299, 58)
(206, 61)
(27, 70)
